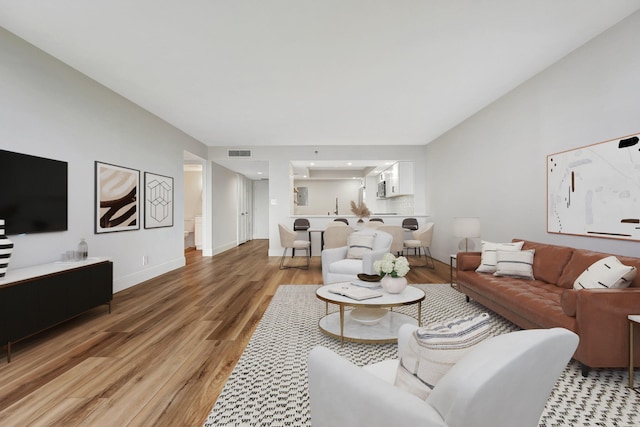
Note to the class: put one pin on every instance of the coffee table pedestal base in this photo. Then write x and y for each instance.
(385, 331)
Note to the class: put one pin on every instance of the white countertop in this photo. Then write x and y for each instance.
(26, 273)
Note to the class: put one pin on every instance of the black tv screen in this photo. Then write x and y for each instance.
(33, 193)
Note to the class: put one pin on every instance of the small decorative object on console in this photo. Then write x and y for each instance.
(83, 250)
(6, 248)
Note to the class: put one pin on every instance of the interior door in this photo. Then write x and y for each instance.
(244, 209)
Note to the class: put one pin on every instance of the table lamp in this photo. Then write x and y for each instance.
(466, 227)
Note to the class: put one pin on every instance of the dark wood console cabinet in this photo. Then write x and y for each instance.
(45, 296)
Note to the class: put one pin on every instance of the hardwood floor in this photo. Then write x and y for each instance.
(162, 356)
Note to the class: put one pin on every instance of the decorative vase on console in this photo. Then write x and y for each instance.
(83, 250)
(6, 248)
(392, 270)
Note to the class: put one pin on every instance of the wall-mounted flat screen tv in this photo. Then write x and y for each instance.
(33, 193)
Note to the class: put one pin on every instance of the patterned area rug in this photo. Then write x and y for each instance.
(268, 386)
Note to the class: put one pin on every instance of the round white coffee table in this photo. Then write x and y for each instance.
(372, 320)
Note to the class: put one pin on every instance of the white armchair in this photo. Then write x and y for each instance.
(336, 267)
(504, 381)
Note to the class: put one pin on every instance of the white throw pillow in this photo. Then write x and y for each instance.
(359, 244)
(515, 264)
(489, 249)
(435, 348)
(606, 273)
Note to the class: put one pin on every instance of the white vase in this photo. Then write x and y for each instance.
(6, 248)
(393, 285)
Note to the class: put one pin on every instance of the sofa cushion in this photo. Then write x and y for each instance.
(359, 244)
(549, 261)
(534, 303)
(515, 264)
(606, 273)
(346, 266)
(489, 249)
(435, 348)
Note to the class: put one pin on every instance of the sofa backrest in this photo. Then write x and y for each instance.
(582, 258)
(561, 265)
(549, 261)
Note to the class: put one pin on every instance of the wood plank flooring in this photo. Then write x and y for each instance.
(162, 356)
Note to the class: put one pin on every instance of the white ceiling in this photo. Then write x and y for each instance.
(301, 72)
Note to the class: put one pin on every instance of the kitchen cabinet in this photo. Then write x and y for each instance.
(399, 179)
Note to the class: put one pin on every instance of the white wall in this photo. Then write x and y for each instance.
(224, 209)
(50, 110)
(494, 164)
(192, 203)
(192, 194)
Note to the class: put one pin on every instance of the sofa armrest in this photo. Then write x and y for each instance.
(404, 335)
(596, 305)
(334, 254)
(343, 394)
(468, 260)
(330, 256)
(601, 316)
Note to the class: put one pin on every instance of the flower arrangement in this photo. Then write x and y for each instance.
(392, 266)
(360, 210)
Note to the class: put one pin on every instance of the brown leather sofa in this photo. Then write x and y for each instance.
(598, 316)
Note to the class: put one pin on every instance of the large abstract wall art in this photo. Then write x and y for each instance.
(595, 190)
(117, 198)
(158, 200)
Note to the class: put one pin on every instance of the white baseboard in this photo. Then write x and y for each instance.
(218, 249)
(221, 248)
(122, 283)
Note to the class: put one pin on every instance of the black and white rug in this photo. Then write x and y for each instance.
(268, 386)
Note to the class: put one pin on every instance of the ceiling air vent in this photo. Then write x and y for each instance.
(239, 153)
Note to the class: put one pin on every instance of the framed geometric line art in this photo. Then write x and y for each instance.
(595, 190)
(117, 198)
(158, 200)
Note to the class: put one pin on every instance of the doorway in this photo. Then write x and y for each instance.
(193, 201)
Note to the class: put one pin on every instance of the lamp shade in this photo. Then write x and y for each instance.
(467, 227)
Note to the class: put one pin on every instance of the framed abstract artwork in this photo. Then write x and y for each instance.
(158, 200)
(595, 190)
(117, 198)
